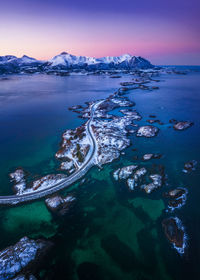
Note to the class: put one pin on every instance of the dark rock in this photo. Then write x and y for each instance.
(177, 203)
(155, 121)
(178, 198)
(174, 232)
(190, 166)
(182, 125)
(60, 205)
(115, 77)
(124, 84)
(173, 121)
(151, 121)
(175, 193)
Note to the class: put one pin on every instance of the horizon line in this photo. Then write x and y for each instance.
(167, 64)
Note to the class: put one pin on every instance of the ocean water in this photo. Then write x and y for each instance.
(111, 233)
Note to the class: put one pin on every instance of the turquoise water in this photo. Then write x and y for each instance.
(110, 233)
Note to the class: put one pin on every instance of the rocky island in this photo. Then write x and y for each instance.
(25, 257)
(175, 233)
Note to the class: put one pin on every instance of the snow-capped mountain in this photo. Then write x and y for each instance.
(66, 61)
(124, 61)
(7, 58)
(20, 61)
(115, 59)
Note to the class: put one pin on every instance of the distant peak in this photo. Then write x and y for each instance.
(63, 53)
(126, 55)
(25, 56)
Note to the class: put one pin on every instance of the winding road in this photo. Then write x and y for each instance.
(89, 162)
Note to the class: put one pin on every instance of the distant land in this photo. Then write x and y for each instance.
(10, 64)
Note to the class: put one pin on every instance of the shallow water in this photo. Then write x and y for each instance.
(111, 233)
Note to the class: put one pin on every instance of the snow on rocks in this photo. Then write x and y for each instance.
(124, 172)
(131, 184)
(177, 197)
(122, 102)
(75, 146)
(116, 174)
(151, 156)
(156, 183)
(47, 181)
(19, 178)
(111, 138)
(25, 255)
(139, 173)
(147, 156)
(111, 134)
(131, 113)
(182, 125)
(68, 166)
(18, 175)
(59, 204)
(41, 184)
(190, 166)
(147, 131)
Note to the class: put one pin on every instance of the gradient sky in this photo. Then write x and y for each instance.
(164, 31)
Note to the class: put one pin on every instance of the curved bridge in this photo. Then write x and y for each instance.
(89, 162)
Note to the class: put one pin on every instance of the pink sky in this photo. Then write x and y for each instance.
(161, 39)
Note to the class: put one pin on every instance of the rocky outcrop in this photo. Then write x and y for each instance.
(23, 258)
(157, 181)
(111, 133)
(60, 205)
(177, 197)
(131, 113)
(124, 172)
(151, 156)
(182, 125)
(175, 233)
(190, 166)
(147, 156)
(147, 131)
(18, 177)
(74, 147)
(131, 184)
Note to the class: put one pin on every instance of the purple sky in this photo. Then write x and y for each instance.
(166, 32)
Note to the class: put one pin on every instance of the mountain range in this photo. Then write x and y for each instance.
(66, 61)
